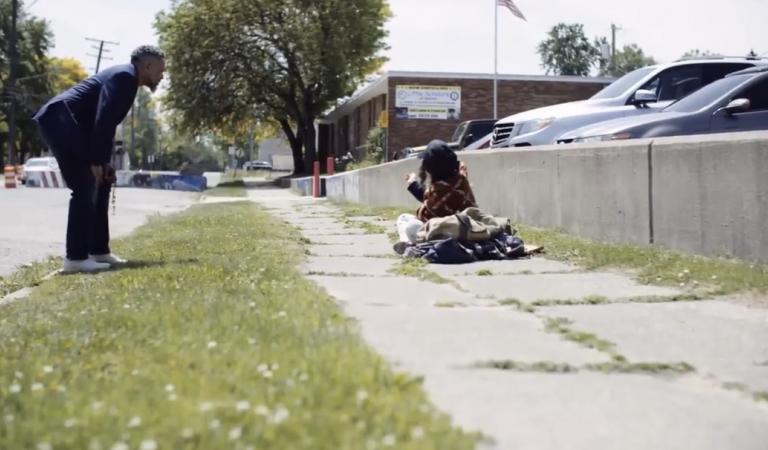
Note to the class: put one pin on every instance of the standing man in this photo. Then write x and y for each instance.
(79, 126)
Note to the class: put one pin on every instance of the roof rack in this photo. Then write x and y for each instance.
(718, 57)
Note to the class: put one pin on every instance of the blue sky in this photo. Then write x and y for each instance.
(457, 35)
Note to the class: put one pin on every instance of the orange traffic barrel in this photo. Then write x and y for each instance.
(10, 177)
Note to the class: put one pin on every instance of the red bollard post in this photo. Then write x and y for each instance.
(329, 166)
(316, 180)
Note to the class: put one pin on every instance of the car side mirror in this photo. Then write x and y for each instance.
(735, 106)
(644, 96)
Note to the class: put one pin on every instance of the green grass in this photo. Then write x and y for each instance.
(484, 273)
(588, 300)
(417, 268)
(607, 367)
(210, 339)
(517, 366)
(524, 307)
(357, 210)
(561, 326)
(449, 304)
(28, 275)
(654, 264)
(234, 188)
(369, 228)
(641, 367)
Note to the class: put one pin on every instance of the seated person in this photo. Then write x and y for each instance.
(448, 191)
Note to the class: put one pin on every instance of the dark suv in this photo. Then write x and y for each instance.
(466, 133)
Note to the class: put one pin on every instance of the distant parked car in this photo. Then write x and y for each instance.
(418, 152)
(42, 164)
(483, 142)
(640, 92)
(738, 102)
(257, 165)
(465, 135)
(470, 131)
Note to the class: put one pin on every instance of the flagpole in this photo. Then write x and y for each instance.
(495, 59)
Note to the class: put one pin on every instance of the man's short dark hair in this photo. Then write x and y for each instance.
(146, 51)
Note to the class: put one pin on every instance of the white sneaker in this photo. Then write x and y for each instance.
(109, 258)
(84, 266)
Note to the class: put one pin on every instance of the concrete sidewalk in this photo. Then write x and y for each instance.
(551, 388)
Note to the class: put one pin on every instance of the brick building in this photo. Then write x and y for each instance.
(345, 129)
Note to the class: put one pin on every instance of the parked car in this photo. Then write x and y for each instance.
(640, 92)
(738, 102)
(483, 142)
(42, 164)
(257, 165)
(418, 152)
(466, 134)
(470, 131)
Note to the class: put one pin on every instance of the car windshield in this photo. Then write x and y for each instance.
(459, 131)
(707, 95)
(621, 85)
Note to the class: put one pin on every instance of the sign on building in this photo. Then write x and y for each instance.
(428, 102)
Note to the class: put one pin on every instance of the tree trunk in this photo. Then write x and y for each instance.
(296, 143)
(310, 144)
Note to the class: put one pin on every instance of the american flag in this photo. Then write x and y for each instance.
(512, 7)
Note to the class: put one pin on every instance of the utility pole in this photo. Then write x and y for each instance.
(11, 87)
(614, 29)
(100, 47)
(133, 134)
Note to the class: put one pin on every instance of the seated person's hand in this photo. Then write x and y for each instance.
(463, 169)
(410, 178)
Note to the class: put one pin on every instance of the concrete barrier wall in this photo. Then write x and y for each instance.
(711, 196)
(700, 194)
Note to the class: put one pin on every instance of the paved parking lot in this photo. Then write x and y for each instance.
(33, 221)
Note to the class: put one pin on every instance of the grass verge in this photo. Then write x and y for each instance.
(209, 339)
(28, 275)
(235, 188)
(654, 264)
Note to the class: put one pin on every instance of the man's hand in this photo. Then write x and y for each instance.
(110, 177)
(98, 173)
(410, 178)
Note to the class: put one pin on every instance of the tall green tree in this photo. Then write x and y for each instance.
(233, 62)
(627, 59)
(33, 86)
(65, 73)
(696, 53)
(567, 51)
